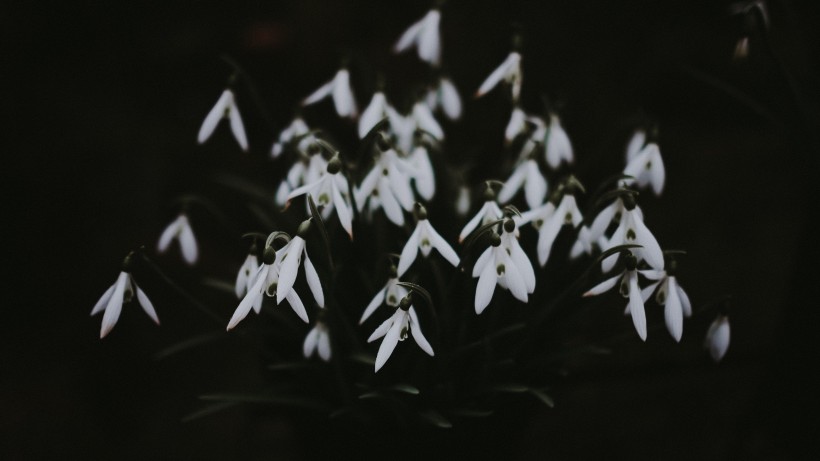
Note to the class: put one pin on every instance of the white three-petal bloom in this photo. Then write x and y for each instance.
(629, 289)
(717, 338)
(444, 95)
(111, 301)
(671, 296)
(244, 278)
(290, 259)
(391, 294)
(396, 329)
(488, 213)
(632, 230)
(339, 89)
(528, 175)
(225, 107)
(317, 340)
(551, 220)
(509, 71)
(329, 192)
(498, 265)
(180, 229)
(425, 35)
(647, 168)
(558, 146)
(389, 182)
(297, 128)
(423, 176)
(425, 238)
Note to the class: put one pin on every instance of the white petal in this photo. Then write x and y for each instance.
(535, 186)
(717, 339)
(657, 172)
(519, 258)
(604, 286)
(442, 246)
(686, 305)
(647, 291)
(602, 221)
(482, 261)
(237, 128)
(636, 143)
(374, 304)
(214, 116)
(486, 286)
(372, 114)
(499, 73)
(103, 301)
(343, 211)
(343, 95)
(297, 306)
(368, 185)
(425, 120)
(321, 93)
(429, 42)
(618, 238)
(409, 36)
(558, 145)
(146, 304)
(114, 306)
(636, 308)
(512, 184)
(187, 241)
(673, 312)
(546, 237)
(652, 274)
(650, 250)
(313, 281)
(418, 336)
(450, 100)
(382, 329)
(515, 125)
(389, 343)
(168, 234)
(408, 253)
(424, 178)
(324, 346)
(473, 223)
(311, 340)
(515, 282)
(391, 207)
(290, 265)
(254, 294)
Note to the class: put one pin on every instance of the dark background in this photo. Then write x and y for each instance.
(106, 100)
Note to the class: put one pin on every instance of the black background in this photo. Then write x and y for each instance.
(106, 100)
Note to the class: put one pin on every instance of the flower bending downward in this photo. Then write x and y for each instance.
(509, 71)
(644, 164)
(120, 292)
(425, 238)
(317, 340)
(629, 289)
(717, 338)
(180, 229)
(339, 89)
(225, 107)
(403, 322)
(425, 35)
(505, 264)
(670, 295)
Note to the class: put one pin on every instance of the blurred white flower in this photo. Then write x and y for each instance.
(717, 338)
(374, 113)
(549, 220)
(516, 125)
(500, 265)
(389, 182)
(391, 294)
(424, 177)
(317, 340)
(425, 238)
(558, 145)
(290, 257)
(244, 278)
(404, 321)
(509, 71)
(646, 167)
(225, 107)
(528, 175)
(297, 128)
(330, 192)
(631, 230)
(341, 92)
(425, 35)
(180, 229)
(120, 292)
(444, 95)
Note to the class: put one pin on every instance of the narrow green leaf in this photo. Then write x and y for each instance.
(510, 388)
(406, 388)
(543, 397)
(363, 358)
(372, 395)
(208, 410)
(317, 217)
(472, 412)
(189, 343)
(221, 285)
(435, 418)
(266, 399)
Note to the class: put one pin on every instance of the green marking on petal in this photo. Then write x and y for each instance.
(500, 269)
(630, 234)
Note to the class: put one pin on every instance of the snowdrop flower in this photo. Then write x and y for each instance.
(330, 192)
(424, 177)
(378, 109)
(244, 278)
(632, 230)
(516, 125)
(424, 238)
(717, 338)
(525, 174)
(308, 169)
(502, 266)
(388, 182)
(225, 107)
(558, 146)
(425, 121)
(671, 296)
(549, 220)
(291, 257)
(488, 213)
(463, 201)
(180, 229)
(646, 166)
(265, 283)
(297, 128)
(317, 340)
(444, 95)
(509, 71)
(391, 294)
(425, 35)
(122, 291)
(339, 89)
(396, 329)
(629, 289)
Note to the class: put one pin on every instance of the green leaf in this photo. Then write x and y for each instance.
(317, 217)
(363, 358)
(420, 290)
(221, 285)
(435, 418)
(189, 343)
(372, 395)
(543, 397)
(510, 387)
(472, 412)
(615, 249)
(266, 399)
(406, 388)
(208, 410)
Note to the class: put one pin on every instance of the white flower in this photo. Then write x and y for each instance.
(330, 192)
(635, 144)
(671, 296)
(528, 175)
(463, 201)
(225, 107)
(629, 289)
(488, 213)
(499, 264)
(339, 89)
(509, 71)
(297, 128)
(425, 35)
(445, 96)
(558, 145)
(120, 292)
(306, 170)
(391, 294)
(265, 282)
(374, 113)
(632, 230)
(389, 182)
(646, 166)
(425, 238)
(516, 125)
(317, 340)
(180, 229)
(424, 120)
(290, 257)
(717, 338)
(423, 177)
(244, 278)
(396, 329)
(549, 221)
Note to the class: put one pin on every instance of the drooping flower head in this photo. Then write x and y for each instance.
(670, 295)
(225, 107)
(180, 229)
(425, 35)
(122, 291)
(630, 289)
(402, 323)
(424, 238)
(505, 264)
(340, 90)
(717, 338)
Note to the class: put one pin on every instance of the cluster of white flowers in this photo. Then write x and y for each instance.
(402, 176)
